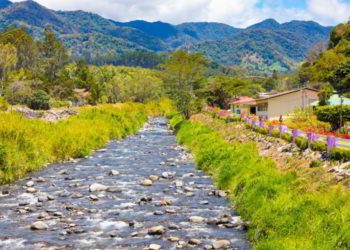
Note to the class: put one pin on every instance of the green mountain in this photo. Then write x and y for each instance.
(266, 46)
(208, 31)
(262, 47)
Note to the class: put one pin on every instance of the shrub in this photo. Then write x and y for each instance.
(263, 131)
(332, 115)
(339, 154)
(316, 164)
(318, 146)
(302, 143)
(287, 137)
(60, 104)
(276, 133)
(40, 100)
(3, 104)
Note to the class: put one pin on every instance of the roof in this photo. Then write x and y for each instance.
(285, 93)
(334, 100)
(243, 100)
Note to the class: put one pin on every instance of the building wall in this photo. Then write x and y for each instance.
(262, 113)
(240, 109)
(286, 104)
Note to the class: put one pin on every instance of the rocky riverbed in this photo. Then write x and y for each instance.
(139, 193)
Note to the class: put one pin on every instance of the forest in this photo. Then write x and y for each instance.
(43, 74)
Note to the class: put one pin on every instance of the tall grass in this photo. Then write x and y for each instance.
(26, 145)
(284, 210)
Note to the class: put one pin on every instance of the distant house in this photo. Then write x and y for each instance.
(243, 105)
(275, 105)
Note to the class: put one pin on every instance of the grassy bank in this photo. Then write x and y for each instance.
(26, 145)
(284, 210)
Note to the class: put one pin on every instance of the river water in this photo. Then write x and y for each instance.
(183, 203)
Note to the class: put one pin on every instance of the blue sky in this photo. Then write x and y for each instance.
(238, 13)
(287, 4)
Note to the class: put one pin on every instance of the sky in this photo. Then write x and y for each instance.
(238, 13)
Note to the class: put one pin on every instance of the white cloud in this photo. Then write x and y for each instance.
(329, 10)
(239, 13)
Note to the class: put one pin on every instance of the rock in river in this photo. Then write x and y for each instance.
(113, 173)
(221, 244)
(196, 219)
(154, 247)
(147, 183)
(39, 225)
(97, 187)
(157, 230)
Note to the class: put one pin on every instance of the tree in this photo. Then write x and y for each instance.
(20, 92)
(53, 56)
(271, 83)
(340, 77)
(326, 92)
(184, 76)
(63, 86)
(221, 88)
(27, 49)
(8, 59)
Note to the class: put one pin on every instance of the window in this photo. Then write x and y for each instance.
(263, 107)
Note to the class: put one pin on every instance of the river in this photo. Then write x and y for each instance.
(57, 208)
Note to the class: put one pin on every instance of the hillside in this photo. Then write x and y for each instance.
(332, 65)
(264, 47)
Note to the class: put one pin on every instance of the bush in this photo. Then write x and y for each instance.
(302, 143)
(316, 164)
(60, 104)
(276, 133)
(339, 154)
(332, 115)
(287, 137)
(40, 100)
(3, 104)
(318, 146)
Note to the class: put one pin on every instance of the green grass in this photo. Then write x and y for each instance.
(284, 211)
(27, 145)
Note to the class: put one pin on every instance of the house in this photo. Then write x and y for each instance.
(243, 105)
(276, 105)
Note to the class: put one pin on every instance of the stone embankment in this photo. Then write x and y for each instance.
(52, 115)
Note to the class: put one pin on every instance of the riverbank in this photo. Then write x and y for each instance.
(27, 145)
(285, 210)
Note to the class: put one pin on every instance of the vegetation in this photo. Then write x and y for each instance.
(184, 75)
(284, 211)
(264, 47)
(37, 73)
(27, 145)
(333, 64)
(337, 116)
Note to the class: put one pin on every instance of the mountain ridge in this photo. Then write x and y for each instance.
(269, 42)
